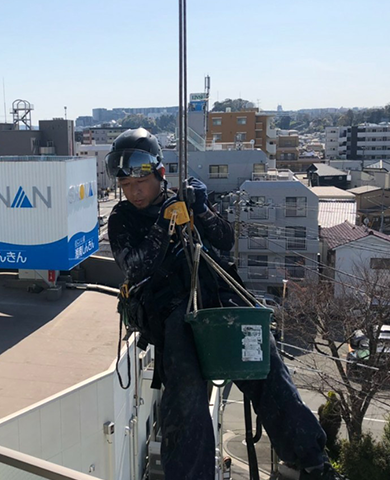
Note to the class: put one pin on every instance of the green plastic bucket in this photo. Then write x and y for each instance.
(232, 343)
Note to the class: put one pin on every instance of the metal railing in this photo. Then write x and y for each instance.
(227, 146)
(196, 140)
(257, 272)
(274, 176)
(37, 466)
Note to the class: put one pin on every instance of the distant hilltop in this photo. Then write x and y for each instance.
(104, 115)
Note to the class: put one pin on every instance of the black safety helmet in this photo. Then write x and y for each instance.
(135, 153)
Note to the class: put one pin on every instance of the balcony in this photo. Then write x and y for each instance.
(296, 244)
(271, 148)
(258, 243)
(228, 146)
(274, 175)
(271, 132)
(255, 273)
(258, 213)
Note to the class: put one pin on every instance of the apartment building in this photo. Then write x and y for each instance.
(101, 135)
(278, 231)
(99, 152)
(287, 146)
(221, 171)
(53, 137)
(240, 128)
(367, 141)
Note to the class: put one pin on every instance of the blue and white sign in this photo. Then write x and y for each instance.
(198, 102)
(48, 212)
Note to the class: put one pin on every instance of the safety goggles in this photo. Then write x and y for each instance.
(130, 163)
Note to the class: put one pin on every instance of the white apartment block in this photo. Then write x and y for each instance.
(278, 231)
(99, 152)
(366, 141)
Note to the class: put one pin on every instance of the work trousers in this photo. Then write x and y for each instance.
(188, 446)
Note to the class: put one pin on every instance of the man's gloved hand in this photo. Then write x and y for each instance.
(200, 190)
(161, 221)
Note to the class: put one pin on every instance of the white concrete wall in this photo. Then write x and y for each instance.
(67, 429)
(354, 259)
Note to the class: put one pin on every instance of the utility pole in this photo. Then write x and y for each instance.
(237, 223)
(383, 211)
(237, 231)
(283, 299)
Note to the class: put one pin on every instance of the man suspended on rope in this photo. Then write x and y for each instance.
(151, 254)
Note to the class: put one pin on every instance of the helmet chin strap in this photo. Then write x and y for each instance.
(162, 192)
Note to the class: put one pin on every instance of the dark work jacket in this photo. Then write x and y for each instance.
(143, 249)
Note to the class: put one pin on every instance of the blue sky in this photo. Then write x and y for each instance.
(91, 53)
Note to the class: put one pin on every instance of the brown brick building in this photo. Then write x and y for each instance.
(249, 128)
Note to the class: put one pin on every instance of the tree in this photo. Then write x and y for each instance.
(329, 415)
(139, 120)
(235, 105)
(328, 324)
(283, 122)
(166, 123)
(347, 119)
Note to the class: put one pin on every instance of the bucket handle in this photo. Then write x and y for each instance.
(247, 297)
(194, 281)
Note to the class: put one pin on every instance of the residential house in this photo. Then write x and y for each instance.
(352, 251)
(335, 206)
(380, 173)
(373, 207)
(322, 175)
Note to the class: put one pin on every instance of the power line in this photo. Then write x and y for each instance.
(321, 372)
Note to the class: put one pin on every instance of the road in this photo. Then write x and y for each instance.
(234, 428)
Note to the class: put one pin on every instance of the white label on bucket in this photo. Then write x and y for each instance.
(252, 343)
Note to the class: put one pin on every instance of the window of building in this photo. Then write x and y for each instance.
(217, 137)
(257, 261)
(296, 206)
(257, 230)
(295, 238)
(380, 263)
(241, 136)
(241, 120)
(294, 267)
(258, 201)
(218, 171)
(172, 167)
(259, 134)
(217, 121)
(258, 168)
